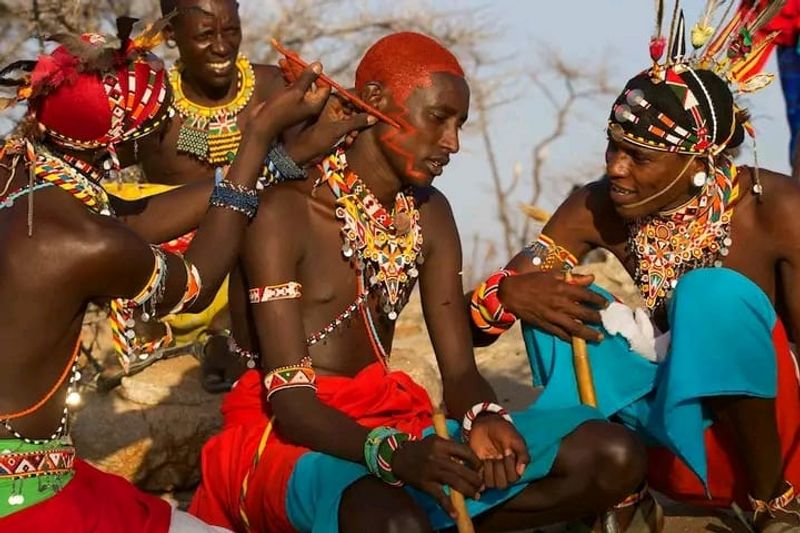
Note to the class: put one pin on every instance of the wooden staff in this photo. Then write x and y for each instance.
(586, 392)
(344, 93)
(463, 520)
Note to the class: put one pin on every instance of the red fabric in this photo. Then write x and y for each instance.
(179, 245)
(372, 398)
(787, 22)
(726, 477)
(93, 501)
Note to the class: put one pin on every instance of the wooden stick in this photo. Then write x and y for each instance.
(463, 520)
(586, 391)
(344, 93)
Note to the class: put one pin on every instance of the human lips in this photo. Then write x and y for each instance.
(436, 164)
(620, 194)
(220, 67)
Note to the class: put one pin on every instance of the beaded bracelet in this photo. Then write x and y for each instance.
(479, 409)
(488, 313)
(547, 255)
(280, 167)
(234, 197)
(379, 449)
(289, 377)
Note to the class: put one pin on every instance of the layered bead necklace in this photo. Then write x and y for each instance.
(211, 134)
(386, 248)
(696, 235)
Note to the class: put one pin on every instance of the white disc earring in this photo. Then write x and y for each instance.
(699, 179)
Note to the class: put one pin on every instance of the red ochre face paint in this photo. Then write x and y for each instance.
(402, 63)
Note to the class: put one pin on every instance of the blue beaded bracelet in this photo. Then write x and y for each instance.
(280, 167)
(235, 198)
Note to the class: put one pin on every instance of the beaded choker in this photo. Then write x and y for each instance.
(387, 247)
(695, 235)
(211, 134)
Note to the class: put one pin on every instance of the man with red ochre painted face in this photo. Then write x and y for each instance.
(323, 435)
(718, 268)
(215, 89)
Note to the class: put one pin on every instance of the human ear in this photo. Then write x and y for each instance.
(375, 95)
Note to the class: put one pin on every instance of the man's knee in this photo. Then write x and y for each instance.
(371, 505)
(610, 457)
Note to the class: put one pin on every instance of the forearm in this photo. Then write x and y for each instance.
(304, 420)
(162, 217)
(216, 245)
(462, 392)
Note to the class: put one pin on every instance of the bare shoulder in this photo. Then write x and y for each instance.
(778, 207)
(434, 207)
(268, 80)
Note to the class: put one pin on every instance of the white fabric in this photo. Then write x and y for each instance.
(183, 522)
(634, 325)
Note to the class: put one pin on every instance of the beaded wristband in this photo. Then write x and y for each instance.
(379, 449)
(234, 197)
(547, 255)
(281, 167)
(488, 313)
(479, 409)
(289, 377)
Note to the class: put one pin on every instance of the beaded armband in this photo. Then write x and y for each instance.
(234, 197)
(288, 377)
(194, 284)
(547, 255)
(127, 347)
(487, 311)
(379, 449)
(479, 409)
(271, 293)
(279, 167)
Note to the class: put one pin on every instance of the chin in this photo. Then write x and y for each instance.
(420, 180)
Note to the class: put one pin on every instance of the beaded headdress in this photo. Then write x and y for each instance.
(684, 103)
(95, 91)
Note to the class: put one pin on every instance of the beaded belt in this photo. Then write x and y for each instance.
(36, 463)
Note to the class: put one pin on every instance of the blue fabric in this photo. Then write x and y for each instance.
(789, 70)
(319, 480)
(721, 325)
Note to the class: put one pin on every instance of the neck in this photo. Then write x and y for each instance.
(206, 95)
(367, 160)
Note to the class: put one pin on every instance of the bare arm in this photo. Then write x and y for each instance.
(271, 257)
(544, 298)
(446, 317)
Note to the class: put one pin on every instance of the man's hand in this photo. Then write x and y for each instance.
(501, 448)
(550, 303)
(297, 102)
(337, 120)
(433, 462)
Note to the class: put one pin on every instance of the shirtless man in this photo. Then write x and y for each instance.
(327, 273)
(718, 267)
(87, 104)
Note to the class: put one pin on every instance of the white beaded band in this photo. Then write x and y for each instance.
(478, 409)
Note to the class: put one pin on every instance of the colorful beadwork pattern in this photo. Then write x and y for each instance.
(478, 409)
(271, 293)
(695, 235)
(486, 310)
(288, 377)
(37, 463)
(211, 134)
(389, 245)
(547, 255)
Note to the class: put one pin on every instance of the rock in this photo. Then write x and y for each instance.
(150, 429)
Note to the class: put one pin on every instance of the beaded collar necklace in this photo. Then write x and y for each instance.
(696, 235)
(385, 248)
(211, 134)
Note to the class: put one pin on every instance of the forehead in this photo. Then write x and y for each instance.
(445, 90)
(201, 11)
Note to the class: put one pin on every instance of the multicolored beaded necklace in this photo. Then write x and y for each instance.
(696, 235)
(211, 134)
(387, 248)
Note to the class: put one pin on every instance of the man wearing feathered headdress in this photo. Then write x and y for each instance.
(718, 267)
(67, 243)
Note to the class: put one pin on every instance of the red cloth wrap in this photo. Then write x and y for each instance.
(93, 501)
(727, 480)
(374, 397)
